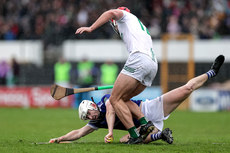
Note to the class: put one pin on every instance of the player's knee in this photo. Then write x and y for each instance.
(188, 88)
(115, 99)
(126, 98)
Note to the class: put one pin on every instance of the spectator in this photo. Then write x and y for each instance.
(82, 16)
(41, 19)
(109, 72)
(85, 72)
(173, 26)
(15, 68)
(86, 77)
(62, 72)
(4, 70)
(155, 29)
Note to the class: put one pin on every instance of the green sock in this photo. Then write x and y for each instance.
(133, 132)
(143, 121)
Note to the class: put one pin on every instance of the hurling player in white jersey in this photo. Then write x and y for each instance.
(139, 70)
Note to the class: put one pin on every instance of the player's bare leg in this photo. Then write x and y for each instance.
(132, 107)
(174, 98)
(124, 89)
(146, 127)
(123, 86)
(136, 112)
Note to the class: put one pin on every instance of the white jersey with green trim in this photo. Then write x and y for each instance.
(134, 34)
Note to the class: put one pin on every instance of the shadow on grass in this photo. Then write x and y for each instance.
(24, 141)
(90, 143)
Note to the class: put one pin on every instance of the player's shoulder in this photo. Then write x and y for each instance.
(105, 98)
(126, 16)
(101, 104)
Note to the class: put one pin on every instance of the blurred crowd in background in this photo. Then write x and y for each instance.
(56, 20)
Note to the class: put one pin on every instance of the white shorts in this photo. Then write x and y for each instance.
(153, 111)
(141, 67)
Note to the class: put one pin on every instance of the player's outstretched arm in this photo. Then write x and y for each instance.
(115, 14)
(73, 135)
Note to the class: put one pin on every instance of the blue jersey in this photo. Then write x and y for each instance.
(101, 121)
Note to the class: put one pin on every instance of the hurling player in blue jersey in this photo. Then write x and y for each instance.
(155, 110)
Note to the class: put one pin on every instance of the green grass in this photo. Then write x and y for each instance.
(193, 132)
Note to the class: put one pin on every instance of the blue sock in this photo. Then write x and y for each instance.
(211, 73)
(156, 136)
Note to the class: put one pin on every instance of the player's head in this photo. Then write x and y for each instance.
(88, 108)
(124, 8)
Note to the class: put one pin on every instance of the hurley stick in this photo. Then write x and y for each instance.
(58, 92)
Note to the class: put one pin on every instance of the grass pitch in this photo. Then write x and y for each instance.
(193, 132)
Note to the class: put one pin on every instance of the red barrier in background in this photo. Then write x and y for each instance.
(36, 97)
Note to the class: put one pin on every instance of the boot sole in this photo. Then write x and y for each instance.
(149, 130)
(165, 133)
(218, 63)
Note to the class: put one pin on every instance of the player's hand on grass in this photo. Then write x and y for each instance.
(108, 138)
(83, 29)
(54, 140)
